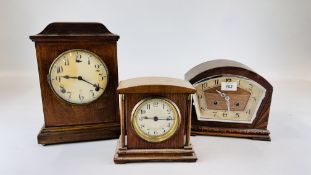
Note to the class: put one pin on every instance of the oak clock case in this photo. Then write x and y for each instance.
(78, 74)
(155, 119)
(231, 100)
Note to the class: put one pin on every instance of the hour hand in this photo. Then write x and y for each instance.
(227, 99)
(67, 77)
(221, 93)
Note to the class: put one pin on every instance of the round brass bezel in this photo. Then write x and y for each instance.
(159, 138)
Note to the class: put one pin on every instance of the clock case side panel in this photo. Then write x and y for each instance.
(175, 141)
(65, 122)
(256, 130)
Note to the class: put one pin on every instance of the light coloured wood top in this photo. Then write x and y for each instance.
(155, 85)
(212, 65)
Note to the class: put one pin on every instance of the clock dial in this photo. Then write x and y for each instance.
(228, 98)
(78, 76)
(155, 119)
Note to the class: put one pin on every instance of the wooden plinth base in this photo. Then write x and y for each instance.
(77, 133)
(256, 134)
(124, 155)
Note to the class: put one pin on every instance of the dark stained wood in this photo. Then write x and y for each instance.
(76, 133)
(58, 113)
(155, 85)
(257, 129)
(71, 31)
(131, 147)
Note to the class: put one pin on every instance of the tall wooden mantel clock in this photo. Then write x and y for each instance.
(231, 100)
(155, 120)
(78, 73)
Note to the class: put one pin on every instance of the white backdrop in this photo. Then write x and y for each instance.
(167, 38)
(164, 38)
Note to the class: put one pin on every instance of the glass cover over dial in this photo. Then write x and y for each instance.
(155, 119)
(228, 98)
(78, 76)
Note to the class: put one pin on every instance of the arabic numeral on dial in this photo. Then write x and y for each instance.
(148, 106)
(248, 111)
(69, 95)
(97, 66)
(168, 111)
(200, 96)
(254, 98)
(214, 114)
(169, 124)
(62, 89)
(155, 104)
(92, 93)
(250, 87)
(88, 61)
(224, 114)
(78, 58)
(204, 85)
(57, 78)
(142, 111)
(102, 77)
(59, 69)
(142, 125)
(81, 97)
(216, 81)
(237, 115)
(155, 132)
(66, 61)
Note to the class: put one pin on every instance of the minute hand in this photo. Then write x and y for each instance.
(226, 97)
(97, 87)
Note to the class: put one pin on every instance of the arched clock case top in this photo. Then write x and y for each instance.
(257, 128)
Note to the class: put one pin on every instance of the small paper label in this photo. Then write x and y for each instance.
(229, 86)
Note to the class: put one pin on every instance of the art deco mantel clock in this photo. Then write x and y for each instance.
(231, 100)
(78, 74)
(155, 120)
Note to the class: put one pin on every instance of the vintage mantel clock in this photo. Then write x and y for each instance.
(155, 120)
(78, 74)
(231, 100)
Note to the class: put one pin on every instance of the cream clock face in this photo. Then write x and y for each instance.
(155, 119)
(78, 76)
(228, 98)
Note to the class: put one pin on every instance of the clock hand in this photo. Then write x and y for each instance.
(97, 87)
(145, 117)
(165, 119)
(155, 118)
(221, 93)
(227, 98)
(67, 77)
